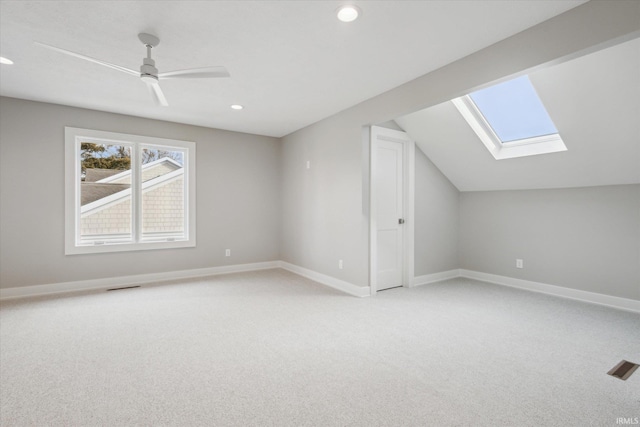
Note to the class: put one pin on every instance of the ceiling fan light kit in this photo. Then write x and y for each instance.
(148, 72)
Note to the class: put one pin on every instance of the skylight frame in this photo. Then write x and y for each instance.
(500, 150)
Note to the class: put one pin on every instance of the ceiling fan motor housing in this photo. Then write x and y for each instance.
(148, 69)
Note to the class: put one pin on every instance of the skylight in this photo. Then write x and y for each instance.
(511, 120)
(514, 110)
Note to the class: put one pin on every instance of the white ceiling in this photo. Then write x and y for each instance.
(292, 62)
(594, 102)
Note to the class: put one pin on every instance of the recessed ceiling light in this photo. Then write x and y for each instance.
(348, 13)
(5, 61)
(237, 107)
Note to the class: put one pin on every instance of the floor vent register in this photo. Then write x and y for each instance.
(623, 370)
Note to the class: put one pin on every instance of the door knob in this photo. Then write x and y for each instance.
(401, 221)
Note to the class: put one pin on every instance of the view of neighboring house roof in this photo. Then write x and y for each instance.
(92, 191)
(94, 174)
(150, 170)
(117, 182)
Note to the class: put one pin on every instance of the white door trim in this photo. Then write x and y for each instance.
(379, 133)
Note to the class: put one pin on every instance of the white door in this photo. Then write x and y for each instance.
(389, 213)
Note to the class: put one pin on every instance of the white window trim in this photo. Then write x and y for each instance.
(524, 147)
(73, 139)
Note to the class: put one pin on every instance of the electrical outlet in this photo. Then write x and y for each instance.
(308, 164)
(519, 263)
(227, 252)
(340, 264)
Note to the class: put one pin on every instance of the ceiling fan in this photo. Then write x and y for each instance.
(148, 72)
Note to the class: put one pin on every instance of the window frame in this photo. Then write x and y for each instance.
(544, 144)
(73, 138)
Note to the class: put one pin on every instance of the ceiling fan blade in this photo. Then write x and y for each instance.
(196, 73)
(88, 58)
(157, 93)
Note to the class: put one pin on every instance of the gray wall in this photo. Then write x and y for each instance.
(436, 216)
(324, 209)
(324, 215)
(436, 219)
(238, 204)
(580, 238)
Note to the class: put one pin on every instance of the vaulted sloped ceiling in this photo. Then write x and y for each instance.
(594, 101)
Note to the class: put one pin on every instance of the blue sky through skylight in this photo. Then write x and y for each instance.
(514, 110)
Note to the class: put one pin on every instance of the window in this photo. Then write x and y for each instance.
(510, 119)
(127, 192)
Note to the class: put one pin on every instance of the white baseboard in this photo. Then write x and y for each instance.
(592, 297)
(341, 285)
(110, 282)
(434, 277)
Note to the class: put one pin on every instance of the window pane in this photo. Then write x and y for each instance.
(105, 193)
(163, 190)
(514, 110)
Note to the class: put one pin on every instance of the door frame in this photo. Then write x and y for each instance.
(408, 165)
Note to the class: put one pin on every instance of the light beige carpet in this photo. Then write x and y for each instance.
(271, 348)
